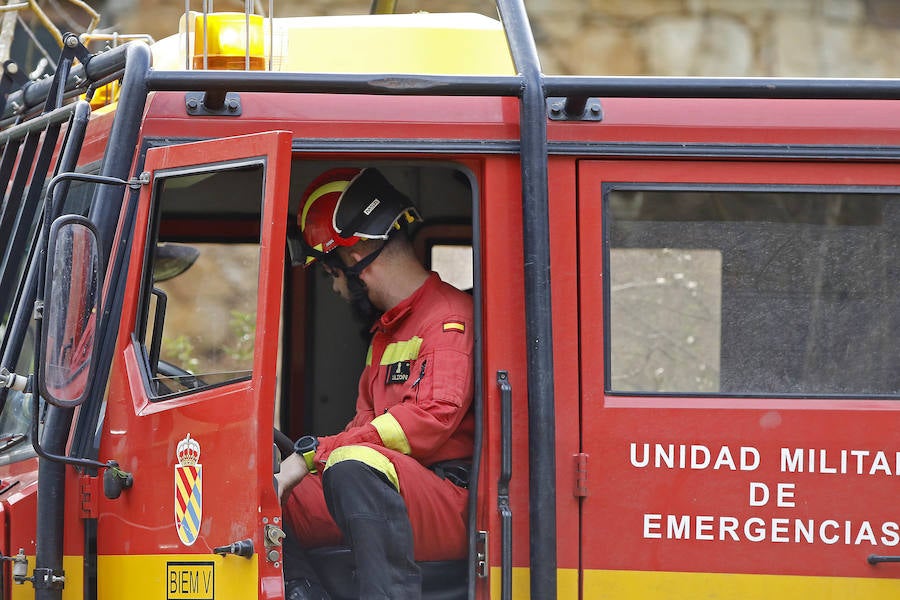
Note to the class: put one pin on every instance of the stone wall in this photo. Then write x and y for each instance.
(790, 38)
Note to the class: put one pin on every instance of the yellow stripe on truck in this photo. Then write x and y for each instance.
(148, 577)
(74, 590)
(646, 585)
(177, 577)
(656, 585)
(156, 576)
(566, 583)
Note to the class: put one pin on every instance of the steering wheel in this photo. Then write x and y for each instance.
(284, 444)
(184, 378)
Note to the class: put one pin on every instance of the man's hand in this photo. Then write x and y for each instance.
(293, 470)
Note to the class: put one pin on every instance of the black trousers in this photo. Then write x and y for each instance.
(372, 516)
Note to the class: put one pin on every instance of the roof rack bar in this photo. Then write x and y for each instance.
(26, 192)
(538, 310)
(379, 84)
(20, 299)
(10, 207)
(120, 149)
(101, 66)
(39, 123)
(476, 85)
(123, 139)
(247, 35)
(724, 87)
(17, 208)
(110, 64)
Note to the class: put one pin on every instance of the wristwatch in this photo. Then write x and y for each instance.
(306, 447)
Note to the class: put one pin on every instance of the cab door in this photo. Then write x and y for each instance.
(191, 401)
(740, 389)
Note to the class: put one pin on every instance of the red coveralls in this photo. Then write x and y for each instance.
(413, 410)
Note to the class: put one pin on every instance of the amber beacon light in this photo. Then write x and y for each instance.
(224, 39)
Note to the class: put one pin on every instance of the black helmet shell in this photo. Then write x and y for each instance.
(371, 207)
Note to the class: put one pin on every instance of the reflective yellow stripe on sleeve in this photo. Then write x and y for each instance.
(398, 351)
(368, 456)
(392, 435)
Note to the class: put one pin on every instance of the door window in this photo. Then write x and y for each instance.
(200, 323)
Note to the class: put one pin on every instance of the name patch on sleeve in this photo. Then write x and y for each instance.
(398, 372)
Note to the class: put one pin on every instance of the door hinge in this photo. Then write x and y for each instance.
(581, 484)
(143, 179)
(89, 491)
(481, 554)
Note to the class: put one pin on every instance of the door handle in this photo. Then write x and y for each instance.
(503, 505)
(874, 559)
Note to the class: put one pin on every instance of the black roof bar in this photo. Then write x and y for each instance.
(332, 83)
(104, 66)
(724, 87)
(513, 85)
(22, 202)
(39, 123)
(109, 65)
(538, 311)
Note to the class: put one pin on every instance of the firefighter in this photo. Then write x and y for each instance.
(391, 485)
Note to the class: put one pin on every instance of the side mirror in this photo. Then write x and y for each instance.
(71, 309)
(172, 260)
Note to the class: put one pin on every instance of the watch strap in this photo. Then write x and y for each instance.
(306, 447)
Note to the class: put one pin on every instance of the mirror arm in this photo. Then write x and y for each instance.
(87, 463)
(54, 206)
(86, 177)
(53, 202)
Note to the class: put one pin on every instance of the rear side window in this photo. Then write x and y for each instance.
(453, 262)
(752, 292)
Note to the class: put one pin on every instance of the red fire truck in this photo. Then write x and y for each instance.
(687, 300)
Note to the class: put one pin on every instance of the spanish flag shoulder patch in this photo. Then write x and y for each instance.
(455, 326)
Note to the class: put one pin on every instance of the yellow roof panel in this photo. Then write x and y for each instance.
(421, 43)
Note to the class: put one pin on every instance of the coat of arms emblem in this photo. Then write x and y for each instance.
(188, 490)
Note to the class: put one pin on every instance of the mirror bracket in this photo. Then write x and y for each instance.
(9, 379)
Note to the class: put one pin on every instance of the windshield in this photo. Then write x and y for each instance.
(15, 420)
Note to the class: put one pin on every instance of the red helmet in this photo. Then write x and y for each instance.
(342, 206)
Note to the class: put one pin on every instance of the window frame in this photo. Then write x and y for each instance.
(145, 301)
